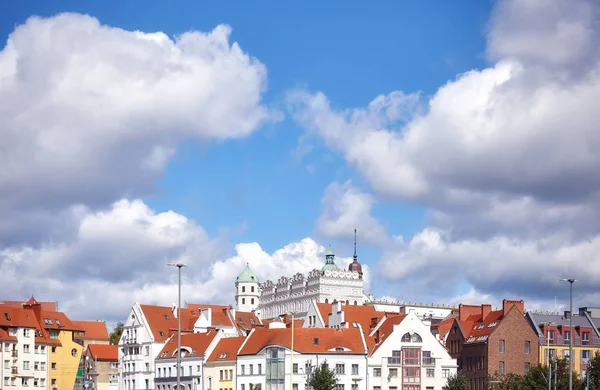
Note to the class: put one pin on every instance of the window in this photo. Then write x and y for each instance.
(501, 368)
(252, 289)
(411, 375)
(411, 356)
(252, 369)
(355, 385)
(26, 365)
(585, 356)
(585, 338)
(54, 366)
(396, 358)
(26, 332)
(220, 374)
(550, 337)
(275, 377)
(243, 369)
(527, 347)
(527, 367)
(147, 384)
(445, 373)
(430, 373)
(427, 359)
(377, 372)
(36, 366)
(355, 369)
(26, 348)
(339, 387)
(566, 336)
(502, 342)
(53, 335)
(243, 301)
(294, 386)
(53, 349)
(48, 321)
(43, 366)
(243, 288)
(43, 349)
(260, 369)
(252, 301)
(295, 368)
(411, 338)
(393, 373)
(340, 369)
(113, 365)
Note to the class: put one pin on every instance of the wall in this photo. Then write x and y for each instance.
(212, 369)
(67, 358)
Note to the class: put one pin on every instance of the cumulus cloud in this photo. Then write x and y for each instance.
(91, 113)
(345, 208)
(505, 159)
(120, 255)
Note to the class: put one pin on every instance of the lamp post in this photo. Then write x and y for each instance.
(179, 266)
(571, 281)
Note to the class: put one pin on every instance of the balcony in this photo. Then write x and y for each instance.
(14, 370)
(15, 353)
(394, 361)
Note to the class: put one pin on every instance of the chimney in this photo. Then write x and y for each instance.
(508, 304)
(174, 310)
(485, 310)
(464, 311)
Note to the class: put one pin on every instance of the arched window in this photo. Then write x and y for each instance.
(326, 300)
(355, 303)
(243, 288)
(414, 338)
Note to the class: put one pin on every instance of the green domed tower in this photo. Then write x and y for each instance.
(329, 260)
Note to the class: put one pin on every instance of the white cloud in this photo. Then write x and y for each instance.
(121, 255)
(345, 208)
(505, 159)
(91, 113)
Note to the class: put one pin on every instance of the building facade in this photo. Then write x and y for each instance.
(220, 368)
(101, 367)
(487, 342)
(554, 336)
(295, 294)
(407, 356)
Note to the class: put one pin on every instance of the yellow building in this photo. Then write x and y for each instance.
(554, 335)
(219, 369)
(64, 358)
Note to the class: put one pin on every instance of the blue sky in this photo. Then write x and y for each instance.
(453, 185)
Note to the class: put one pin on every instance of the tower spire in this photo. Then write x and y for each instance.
(355, 255)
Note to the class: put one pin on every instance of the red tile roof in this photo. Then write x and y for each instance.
(46, 306)
(104, 352)
(324, 310)
(444, 326)
(58, 321)
(162, 322)
(385, 329)
(226, 349)
(196, 342)
(219, 313)
(246, 320)
(360, 314)
(307, 340)
(92, 330)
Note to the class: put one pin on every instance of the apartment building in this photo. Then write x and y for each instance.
(554, 335)
(488, 342)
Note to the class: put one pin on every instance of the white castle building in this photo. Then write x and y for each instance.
(330, 284)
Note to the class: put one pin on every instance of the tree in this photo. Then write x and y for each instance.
(456, 382)
(508, 381)
(593, 371)
(322, 378)
(537, 377)
(115, 335)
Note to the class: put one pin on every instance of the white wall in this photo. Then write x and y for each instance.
(243, 299)
(35, 355)
(444, 364)
(299, 378)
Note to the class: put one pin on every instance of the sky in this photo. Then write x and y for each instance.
(459, 139)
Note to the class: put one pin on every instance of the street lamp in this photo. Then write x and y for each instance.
(179, 266)
(571, 281)
(548, 361)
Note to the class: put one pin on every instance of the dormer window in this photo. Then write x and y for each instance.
(160, 332)
(57, 322)
(48, 321)
(166, 316)
(223, 356)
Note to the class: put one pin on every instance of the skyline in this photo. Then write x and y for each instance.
(459, 141)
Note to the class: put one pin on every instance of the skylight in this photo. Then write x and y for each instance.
(48, 321)
(223, 356)
(492, 325)
(57, 322)
(7, 316)
(166, 316)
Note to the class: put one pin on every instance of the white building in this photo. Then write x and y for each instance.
(270, 351)
(329, 284)
(23, 352)
(407, 356)
(195, 349)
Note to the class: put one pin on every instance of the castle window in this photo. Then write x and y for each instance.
(252, 288)
(243, 288)
(243, 301)
(252, 301)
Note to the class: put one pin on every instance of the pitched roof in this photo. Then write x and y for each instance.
(246, 320)
(307, 340)
(17, 317)
(162, 322)
(46, 306)
(106, 352)
(92, 330)
(444, 326)
(385, 329)
(57, 320)
(226, 349)
(219, 313)
(324, 310)
(195, 342)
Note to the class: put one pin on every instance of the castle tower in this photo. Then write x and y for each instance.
(246, 291)
(355, 265)
(329, 260)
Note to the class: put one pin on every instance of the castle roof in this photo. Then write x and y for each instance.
(247, 276)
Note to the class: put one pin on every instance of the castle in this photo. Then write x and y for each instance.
(327, 285)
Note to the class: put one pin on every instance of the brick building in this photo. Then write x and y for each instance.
(487, 342)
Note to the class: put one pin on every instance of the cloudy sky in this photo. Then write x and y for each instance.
(461, 140)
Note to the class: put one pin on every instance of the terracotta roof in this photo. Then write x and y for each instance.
(324, 310)
(162, 322)
(444, 326)
(46, 306)
(385, 329)
(4, 336)
(219, 313)
(246, 320)
(106, 352)
(196, 342)
(362, 315)
(17, 317)
(57, 320)
(307, 340)
(478, 329)
(92, 330)
(28, 316)
(226, 349)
